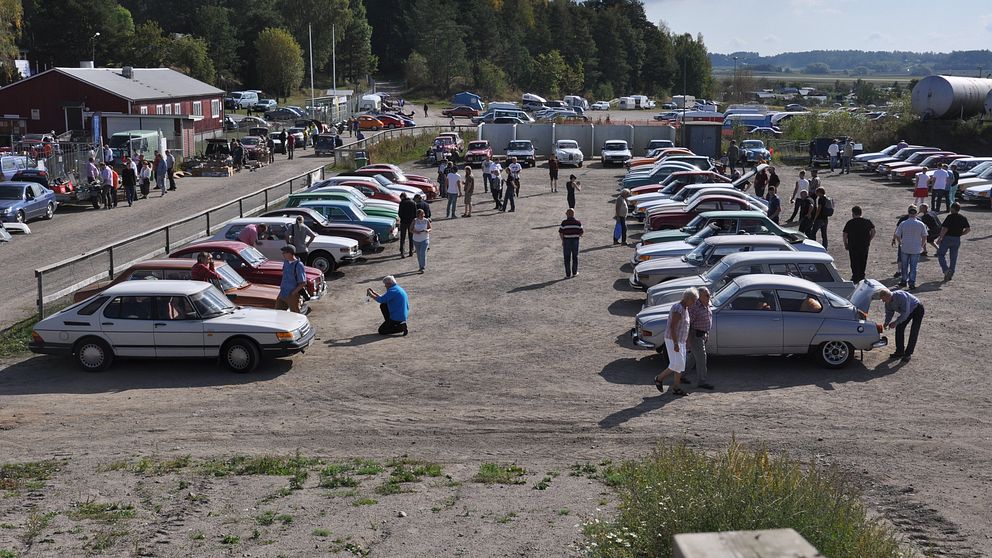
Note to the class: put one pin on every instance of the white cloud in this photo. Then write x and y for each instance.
(770, 39)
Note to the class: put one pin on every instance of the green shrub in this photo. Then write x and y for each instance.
(680, 490)
(494, 473)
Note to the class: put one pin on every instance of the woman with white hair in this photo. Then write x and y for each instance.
(676, 335)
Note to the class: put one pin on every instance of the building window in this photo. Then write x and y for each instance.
(144, 109)
(176, 109)
(159, 110)
(215, 108)
(168, 109)
(197, 108)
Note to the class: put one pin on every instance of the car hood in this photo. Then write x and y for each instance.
(974, 182)
(666, 264)
(336, 241)
(257, 319)
(679, 284)
(660, 237)
(665, 249)
(479, 151)
(864, 292)
(256, 295)
(569, 150)
(4, 204)
(616, 152)
(520, 151)
(660, 311)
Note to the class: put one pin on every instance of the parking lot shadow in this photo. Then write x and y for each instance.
(648, 404)
(534, 286)
(357, 340)
(623, 284)
(625, 307)
(45, 374)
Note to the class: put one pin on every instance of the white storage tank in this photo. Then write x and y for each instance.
(950, 96)
(988, 105)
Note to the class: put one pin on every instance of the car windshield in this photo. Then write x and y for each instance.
(478, 145)
(930, 161)
(981, 167)
(836, 301)
(615, 146)
(724, 295)
(383, 180)
(295, 131)
(987, 173)
(699, 254)
(11, 193)
(230, 279)
(249, 141)
(519, 145)
(701, 235)
(716, 272)
(211, 303)
(252, 256)
(568, 145)
(752, 144)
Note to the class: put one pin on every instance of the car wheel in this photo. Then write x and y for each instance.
(580, 164)
(835, 354)
(93, 354)
(19, 216)
(50, 211)
(323, 261)
(240, 355)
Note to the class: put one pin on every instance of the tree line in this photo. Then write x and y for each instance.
(860, 62)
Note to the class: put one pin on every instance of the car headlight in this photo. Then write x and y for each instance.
(286, 335)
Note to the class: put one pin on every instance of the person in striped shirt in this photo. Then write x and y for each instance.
(570, 231)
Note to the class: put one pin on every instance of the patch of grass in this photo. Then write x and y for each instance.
(494, 473)
(37, 522)
(368, 467)
(564, 511)
(151, 466)
(266, 518)
(14, 340)
(4, 553)
(365, 502)
(7, 526)
(30, 475)
(104, 539)
(587, 470)
(389, 488)
(680, 490)
(334, 476)
(269, 465)
(285, 519)
(197, 536)
(321, 532)
(298, 479)
(107, 512)
(504, 519)
(230, 540)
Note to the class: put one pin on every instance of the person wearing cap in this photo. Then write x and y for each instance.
(911, 236)
(395, 307)
(294, 279)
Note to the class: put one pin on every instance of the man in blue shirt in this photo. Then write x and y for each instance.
(910, 311)
(395, 307)
(294, 279)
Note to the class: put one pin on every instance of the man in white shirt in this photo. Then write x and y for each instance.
(940, 179)
(107, 183)
(454, 190)
(515, 169)
(833, 151)
(108, 155)
(485, 174)
(801, 185)
(495, 170)
(911, 235)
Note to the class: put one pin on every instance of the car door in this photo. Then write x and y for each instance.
(802, 316)
(339, 215)
(127, 323)
(40, 205)
(749, 324)
(270, 244)
(178, 330)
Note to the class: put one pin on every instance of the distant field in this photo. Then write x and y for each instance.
(792, 77)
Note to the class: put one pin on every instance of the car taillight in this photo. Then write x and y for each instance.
(37, 339)
(646, 333)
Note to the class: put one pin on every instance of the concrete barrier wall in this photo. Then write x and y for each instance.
(643, 135)
(581, 133)
(499, 135)
(541, 135)
(605, 132)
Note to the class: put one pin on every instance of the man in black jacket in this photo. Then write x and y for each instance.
(408, 211)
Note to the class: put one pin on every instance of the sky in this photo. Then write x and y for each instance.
(775, 26)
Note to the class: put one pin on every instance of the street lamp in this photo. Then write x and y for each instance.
(93, 48)
(733, 89)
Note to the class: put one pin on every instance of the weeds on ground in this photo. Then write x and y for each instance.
(14, 340)
(104, 539)
(37, 522)
(680, 490)
(151, 466)
(321, 532)
(4, 553)
(107, 512)
(493, 473)
(365, 502)
(30, 475)
(270, 465)
(230, 539)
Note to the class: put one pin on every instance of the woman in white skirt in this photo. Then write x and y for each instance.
(676, 335)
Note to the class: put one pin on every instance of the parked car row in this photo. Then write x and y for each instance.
(902, 163)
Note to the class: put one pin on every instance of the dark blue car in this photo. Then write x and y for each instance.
(22, 201)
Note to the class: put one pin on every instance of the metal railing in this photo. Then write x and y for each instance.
(60, 279)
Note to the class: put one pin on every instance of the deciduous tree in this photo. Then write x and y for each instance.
(278, 62)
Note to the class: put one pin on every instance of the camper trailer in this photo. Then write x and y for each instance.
(576, 101)
(636, 102)
(533, 102)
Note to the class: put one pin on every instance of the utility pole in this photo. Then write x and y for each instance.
(334, 73)
(313, 108)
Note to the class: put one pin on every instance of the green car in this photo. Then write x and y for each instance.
(376, 208)
(729, 222)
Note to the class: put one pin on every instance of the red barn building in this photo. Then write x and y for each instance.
(62, 99)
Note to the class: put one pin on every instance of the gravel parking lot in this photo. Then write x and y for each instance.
(506, 362)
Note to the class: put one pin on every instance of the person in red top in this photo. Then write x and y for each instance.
(203, 269)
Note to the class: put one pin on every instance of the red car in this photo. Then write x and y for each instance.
(375, 192)
(429, 189)
(680, 216)
(394, 168)
(908, 173)
(460, 112)
(478, 152)
(251, 264)
(390, 121)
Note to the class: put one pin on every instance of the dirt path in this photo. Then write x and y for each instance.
(505, 362)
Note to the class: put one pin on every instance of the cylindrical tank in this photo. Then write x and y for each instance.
(950, 96)
(988, 105)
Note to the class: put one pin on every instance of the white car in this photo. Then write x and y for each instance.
(326, 252)
(615, 152)
(600, 105)
(169, 319)
(568, 153)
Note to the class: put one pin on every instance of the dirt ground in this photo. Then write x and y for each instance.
(507, 363)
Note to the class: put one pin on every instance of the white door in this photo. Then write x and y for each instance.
(177, 327)
(127, 323)
(270, 244)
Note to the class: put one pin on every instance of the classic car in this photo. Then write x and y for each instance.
(377, 208)
(377, 181)
(169, 319)
(264, 105)
(368, 122)
(478, 152)
(725, 222)
(459, 142)
(907, 173)
(368, 240)
(281, 114)
(765, 132)
(860, 160)
(614, 152)
(977, 189)
(445, 145)
(691, 193)
(707, 253)
(338, 211)
(658, 144)
(386, 168)
(568, 153)
(754, 151)
(900, 155)
(663, 218)
(391, 121)
(966, 164)
(256, 148)
(600, 105)
(460, 112)
(975, 171)
(325, 251)
(22, 201)
(230, 124)
(252, 122)
(673, 184)
(371, 190)
(817, 267)
(656, 154)
(325, 144)
(523, 150)
(235, 286)
(913, 160)
(776, 314)
(251, 264)
(427, 187)
(661, 173)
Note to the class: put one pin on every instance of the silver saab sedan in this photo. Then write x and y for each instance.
(776, 314)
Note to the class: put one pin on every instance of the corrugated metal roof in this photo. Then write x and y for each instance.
(147, 84)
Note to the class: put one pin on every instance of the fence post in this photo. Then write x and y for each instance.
(110, 253)
(167, 243)
(41, 294)
(241, 208)
(266, 206)
(208, 223)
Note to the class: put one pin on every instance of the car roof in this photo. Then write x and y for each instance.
(208, 245)
(165, 263)
(20, 184)
(266, 220)
(776, 256)
(734, 213)
(749, 239)
(319, 203)
(155, 288)
(776, 282)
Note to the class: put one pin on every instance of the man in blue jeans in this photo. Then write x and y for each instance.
(570, 231)
(953, 228)
(395, 307)
(911, 312)
(911, 235)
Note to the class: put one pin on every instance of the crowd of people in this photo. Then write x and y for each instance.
(132, 175)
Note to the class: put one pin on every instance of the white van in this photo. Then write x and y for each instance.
(241, 99)
(370, 103)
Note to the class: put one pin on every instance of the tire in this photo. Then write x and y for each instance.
(19, 216)
(95, 201)
(580, 164)
(835, 354)
(50, 211)
(240, 355)
(323, 261)
(391, 126)
(93, 354)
